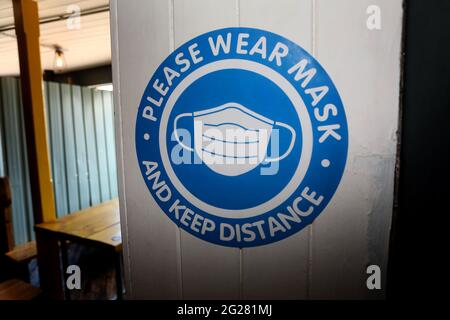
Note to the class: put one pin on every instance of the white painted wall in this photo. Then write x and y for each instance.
(329, 258)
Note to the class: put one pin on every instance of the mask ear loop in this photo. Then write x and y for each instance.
(291, 145)
(175, 130)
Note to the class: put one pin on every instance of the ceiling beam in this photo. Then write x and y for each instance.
(61, 17)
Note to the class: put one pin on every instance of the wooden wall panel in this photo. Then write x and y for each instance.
(328, 259)
(203, 261)
(287, 276)
(149, 25)
(364, 64)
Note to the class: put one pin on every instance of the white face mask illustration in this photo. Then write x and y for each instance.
(231, 139)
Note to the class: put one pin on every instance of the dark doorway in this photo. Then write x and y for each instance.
(424, 178)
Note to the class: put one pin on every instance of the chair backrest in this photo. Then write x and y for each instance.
(6, 230)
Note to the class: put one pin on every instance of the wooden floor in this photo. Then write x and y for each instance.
(15, 289)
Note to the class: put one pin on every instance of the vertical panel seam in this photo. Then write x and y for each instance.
(311, 226)
(94, 130)
(109, 131)
(178, 230)
(241, 250)
(97, 149)
(70, 137)
(171, 25)
(28, 205)
(119, 142)
(238, 12)
(85, 129)
(84, 143)
(2, 133)
(105, 151)
(55, 177)
(63, 149)
(21, 154)
(313, 27)
(16, 120)
(75, 149)
(106, 146)
(241, 273)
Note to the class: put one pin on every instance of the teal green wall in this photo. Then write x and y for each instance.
(80, 130)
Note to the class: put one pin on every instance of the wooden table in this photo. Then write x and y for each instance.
(99, 225)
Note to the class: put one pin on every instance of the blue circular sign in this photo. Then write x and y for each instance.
(241, 137)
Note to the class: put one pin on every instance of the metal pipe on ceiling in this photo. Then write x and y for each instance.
(61, 17)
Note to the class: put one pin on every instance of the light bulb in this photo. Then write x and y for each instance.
(59, 63)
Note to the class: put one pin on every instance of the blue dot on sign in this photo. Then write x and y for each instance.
(325, 163)
(239, 138)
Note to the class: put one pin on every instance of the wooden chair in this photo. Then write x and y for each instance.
(23, 253)
(14, 258)
(6, 231)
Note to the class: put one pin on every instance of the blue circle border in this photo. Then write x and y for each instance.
(322, 180)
